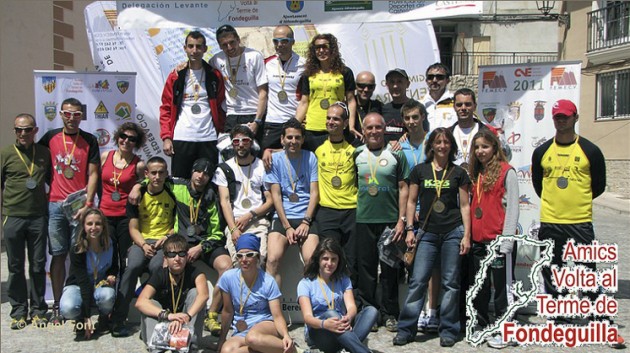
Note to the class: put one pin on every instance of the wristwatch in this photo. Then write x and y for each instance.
(308, 220)
(409, 228)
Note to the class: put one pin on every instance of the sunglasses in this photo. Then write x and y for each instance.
(172, 254)
(193, 46)
(238, 140)
(322, 46)
(242, 255)
(369, 86)
(72, 114)
(467, 104)
(26, 130)
(439, 77)
(129, 138)
(282, 40)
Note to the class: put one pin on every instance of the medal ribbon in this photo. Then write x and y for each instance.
(373, 169)
(196, 84)
(179, 295)
(336, 161)
(282, 72)
(365, 111)
(116, 180)
(242, 303)
(464, 142)
(438, 189)
(245, 181)
(32, 167)
(479, 188)
(234, 72)
(555, 152)
(290, 171)
(194, 210)
(331, 303)
(70, 156)
(325, 84)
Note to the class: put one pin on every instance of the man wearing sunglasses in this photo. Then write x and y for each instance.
(176, 294)
(366, 84)
(439, 100)
(75, 163)
(284, 70)
(192, 113)
(25, 171)
(397, 82)
(243, 70)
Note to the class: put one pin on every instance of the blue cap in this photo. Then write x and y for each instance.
(248, 241)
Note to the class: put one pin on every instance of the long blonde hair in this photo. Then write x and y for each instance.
(81, 245)
(492, 173)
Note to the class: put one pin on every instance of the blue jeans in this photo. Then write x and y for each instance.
(62, 234)
(328, 341)
(434, 250)
(71, 301)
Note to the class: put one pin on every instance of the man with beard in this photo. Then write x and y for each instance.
(439, 100)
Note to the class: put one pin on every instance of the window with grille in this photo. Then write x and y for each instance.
(613, 95)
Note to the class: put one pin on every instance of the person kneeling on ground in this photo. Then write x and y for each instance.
(160, 301)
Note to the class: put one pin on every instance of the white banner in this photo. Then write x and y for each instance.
(174, 14)
(108, 100)
(517, 99)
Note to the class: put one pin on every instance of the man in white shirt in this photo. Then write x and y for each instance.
(439, 100)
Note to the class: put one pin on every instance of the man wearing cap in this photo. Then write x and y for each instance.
(366, 84)
(151, 222)
(192, 113)
(568, 172)
(284, 70)
(243, 70)
(25, 171)
(397, 82)
(198, 222)
(439, 100)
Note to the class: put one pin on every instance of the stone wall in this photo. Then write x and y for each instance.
(617, 177)
(463, 81)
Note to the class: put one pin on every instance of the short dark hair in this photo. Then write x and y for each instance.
(411, 105)
(157, 159)
(440, 66)
(311, 271)
(27, 116)
(428, 149)
(175, 241)
(465, 92)
(241, 129)
(225, 30)
(293, 123)
(195, 35)
(71, 101)
(142, 136)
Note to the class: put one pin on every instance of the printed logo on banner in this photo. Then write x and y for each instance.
(514, 141)
(331, 6)
(539, 110)
(295, 6)
(101, 85)
(489, 114)
(493, 82)
(103, 137)
(514, 110)
(50, 110)
(533, 229)
(524, 173)
(75, 86)
(561, 78)
(101, 112)
(123, 111)
(524, 203)
(123, 86)
(519, 228)
(537, 141)
(49, 83)
(404, 6)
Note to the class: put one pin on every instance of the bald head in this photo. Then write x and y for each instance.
(366, 84)
(283, 31)
(365, 77)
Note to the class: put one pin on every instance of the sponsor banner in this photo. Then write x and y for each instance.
(176, 14)
(517, 100)
(99, 92)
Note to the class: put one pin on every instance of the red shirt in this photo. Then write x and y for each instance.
(490, 225)
(126, 178)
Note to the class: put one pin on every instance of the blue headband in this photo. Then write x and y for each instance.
(248, 241)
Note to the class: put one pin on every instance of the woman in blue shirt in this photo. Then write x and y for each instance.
(328, 306)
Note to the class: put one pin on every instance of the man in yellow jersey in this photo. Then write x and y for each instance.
(568, 172)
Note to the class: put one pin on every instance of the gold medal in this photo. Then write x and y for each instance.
(335, 181)
(439, 206)
(282, 95)
(562, 182)
(68, 173)
(293, 197)
(241, 325)
(324, 103)
(246, 203)
(478, 212)
(373, 190)
(233, 93)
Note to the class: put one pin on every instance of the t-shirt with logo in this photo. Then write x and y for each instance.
(279, 111)
(335, 160)
(155, 213)
(331, 86)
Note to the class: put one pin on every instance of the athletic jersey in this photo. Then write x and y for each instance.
(440, 113)
(126, 180)
(250, 74)
(289, 73)
(334, 160)
(249, 180)
(194, 123)
(394, 126)
(155, 213)
(331, 86)
(389, 169)
(69, 157)
(582, 165)
(207, 212)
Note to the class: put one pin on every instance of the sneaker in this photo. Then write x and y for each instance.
(433, 324)
(211, 324)
(103, 324)
(391, 324)
(447, 342)
(401, 340)
(119, 330)
(39, 321)
(423, 321)
(18, 324)
(620, 344)
(496, 342)
(56, 319)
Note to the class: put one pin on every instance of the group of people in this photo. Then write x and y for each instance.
(314, 162)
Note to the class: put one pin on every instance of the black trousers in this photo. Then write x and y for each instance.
(186, 153)
(119, 233)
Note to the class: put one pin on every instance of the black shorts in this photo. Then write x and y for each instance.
(209, 258)
(276, 226)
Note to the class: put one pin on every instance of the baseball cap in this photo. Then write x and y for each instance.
(203, 165)
(401, 72)
(565, 107)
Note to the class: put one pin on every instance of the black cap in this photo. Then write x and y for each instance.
(203, 165)
(401, 72)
